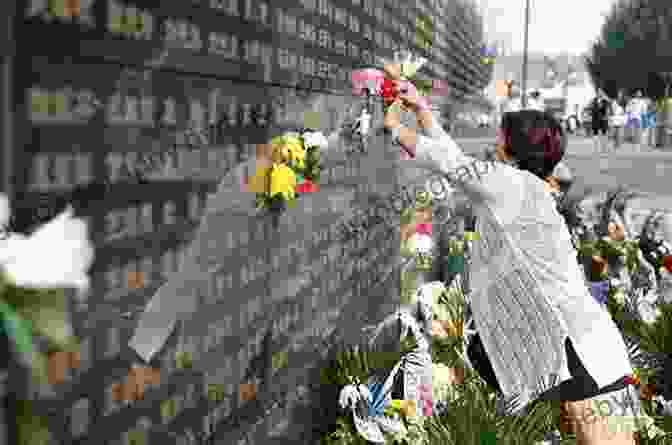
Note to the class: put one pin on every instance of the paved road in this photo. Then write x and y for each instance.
(648, 171)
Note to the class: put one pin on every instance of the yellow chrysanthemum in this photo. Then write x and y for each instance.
(289, 153)
(259, 183)
(283, 181)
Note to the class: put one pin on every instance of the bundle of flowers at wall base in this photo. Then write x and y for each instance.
(375, 411)
(295, 169)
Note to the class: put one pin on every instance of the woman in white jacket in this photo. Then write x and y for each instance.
(543, 333)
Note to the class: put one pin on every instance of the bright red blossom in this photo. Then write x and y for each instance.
(389, 91)
(667, 262)
(307, 187)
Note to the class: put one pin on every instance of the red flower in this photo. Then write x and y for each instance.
(667, 262)
(389, 91)
(631, 380)
(307, 187)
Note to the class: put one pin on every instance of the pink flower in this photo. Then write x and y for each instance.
(366, 78)
(425, 229)
(406, 155)
(427, 409)
(425, 397)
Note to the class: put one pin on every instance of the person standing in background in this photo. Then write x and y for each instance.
(535, 102)
(617, 121)
(648, 121)
(600, 110)
(636, 109)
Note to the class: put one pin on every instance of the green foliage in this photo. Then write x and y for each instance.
(345, 433)
(354, 365)
(31, 429)
(312, 164)
(472, 416)
(36, 312)
(637, 32)
(657, 337)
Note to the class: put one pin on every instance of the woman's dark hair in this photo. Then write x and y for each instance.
(535, 140)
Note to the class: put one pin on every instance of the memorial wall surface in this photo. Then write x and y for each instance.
(160, 100)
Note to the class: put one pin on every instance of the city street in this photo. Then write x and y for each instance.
(648, 171)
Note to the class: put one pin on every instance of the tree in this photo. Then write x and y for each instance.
(634, 34)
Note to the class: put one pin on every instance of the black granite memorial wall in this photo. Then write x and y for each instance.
(157, 101)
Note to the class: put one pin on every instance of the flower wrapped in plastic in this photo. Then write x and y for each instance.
(380, 80)
(288, 149)
(368, 404)
(35, 270)
(295, 169)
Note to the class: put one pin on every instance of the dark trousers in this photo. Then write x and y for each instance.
(580, 387)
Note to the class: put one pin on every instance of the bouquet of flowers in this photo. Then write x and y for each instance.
(34, 272)
(416, 226)
(377, 412)
(376, 81)
(294, 169)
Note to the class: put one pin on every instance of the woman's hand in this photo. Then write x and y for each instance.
(392, 71)
(616, 231)
(392, 118)
(411, 98)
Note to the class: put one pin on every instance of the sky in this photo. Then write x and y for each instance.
(556, 26)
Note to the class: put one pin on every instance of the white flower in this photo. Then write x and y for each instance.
(315, 139)
(648, 311)
(351, 394)
(421, 243)
(57, 255)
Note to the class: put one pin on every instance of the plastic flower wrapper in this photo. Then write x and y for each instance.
(58, 255)
(315, 139)
(367, 405)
